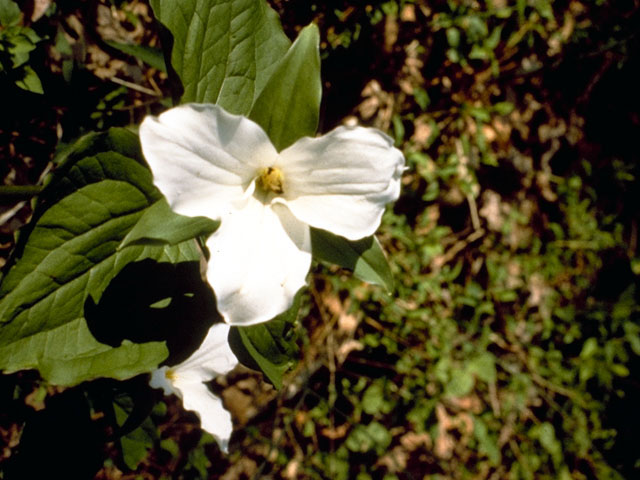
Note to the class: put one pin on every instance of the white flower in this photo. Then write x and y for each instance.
(208, 162)
(214, 357)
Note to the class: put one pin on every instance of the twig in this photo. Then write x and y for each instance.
(473, 209)
(134, 86)
(6, 216)
(457, 248)
(19, 192)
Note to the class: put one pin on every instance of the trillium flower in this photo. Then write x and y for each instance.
(214, 357)
(208, 162)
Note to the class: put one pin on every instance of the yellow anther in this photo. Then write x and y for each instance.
(270, 180)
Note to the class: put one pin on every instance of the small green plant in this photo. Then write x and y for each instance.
(16, 43)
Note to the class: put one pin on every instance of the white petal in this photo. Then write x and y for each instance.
(214, 356)
(260, 257)
(201, 156)
(342, 181)
(159, 380)
(214, 418)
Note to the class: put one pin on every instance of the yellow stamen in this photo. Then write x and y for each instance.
(270, 180)
(171, 375)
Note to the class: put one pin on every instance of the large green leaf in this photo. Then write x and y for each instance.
(289, 105)
(224, 52)
(271, 346)
(159, 224)
(69, 252)
(364, 257)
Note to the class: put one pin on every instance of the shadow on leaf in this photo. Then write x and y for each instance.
(150, 301)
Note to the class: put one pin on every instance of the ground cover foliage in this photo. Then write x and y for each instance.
(509, 345)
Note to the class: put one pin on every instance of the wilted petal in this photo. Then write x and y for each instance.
(342, 181)
(202, 157)
(260, 257)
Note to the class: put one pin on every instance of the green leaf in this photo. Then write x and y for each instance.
(589, 348)
(136, 443)
(224, 52)
(503, 108)
(546, 435)
(375, 401)
(269, 347)
(364, 257)
(487, 443)
(159, 224)
(453, 37)
(484, 367)
(30, 81)
(380, 435)
(460, 384)
(149, 55)
(369, 437)
(421, 97)
(68, 252)
(20, 43)
(481, 114)
(288, 107)
(9, 13)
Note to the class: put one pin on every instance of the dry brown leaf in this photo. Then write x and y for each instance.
(408, 13)
(346, 348)
(348, 323)
(36, 399)
(444, 444)
(292, 469)
(422, 131)
(539, 290)
(101, 64)
(333, 304)
(110, 25)
(391, 30)
(377, 103)
(412, 441)
(514, 275)
(335, 432)
(489, 133)
(492, 210)
(10, 438)
(239, 404)
(39, 9)
(464, 423)
(469, 403)
(395, 460)
(406, 86)
(543, 181)
(413, 63)
(245, 467)
(556, 128)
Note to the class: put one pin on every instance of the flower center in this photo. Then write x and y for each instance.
(270, 180)
(170, 375)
